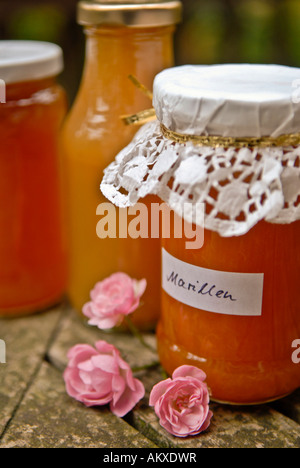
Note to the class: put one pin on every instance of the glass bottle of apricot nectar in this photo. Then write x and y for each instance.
(122, 39)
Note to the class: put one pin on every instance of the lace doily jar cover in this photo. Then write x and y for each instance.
(226, 136)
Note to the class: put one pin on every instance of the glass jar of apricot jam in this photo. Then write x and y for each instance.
(33, 270)
(229, 147)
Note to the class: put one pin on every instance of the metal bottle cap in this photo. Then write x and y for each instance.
(134, 13)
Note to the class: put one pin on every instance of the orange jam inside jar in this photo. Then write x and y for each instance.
(33, 264)
(224, 155)
(246, 359)
(134, 38)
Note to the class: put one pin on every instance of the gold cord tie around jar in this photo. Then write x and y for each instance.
(145, 116)
(225, 142)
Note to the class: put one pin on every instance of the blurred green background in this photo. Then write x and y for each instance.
(213, 31)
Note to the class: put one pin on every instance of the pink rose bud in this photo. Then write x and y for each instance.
(112, 299)
(96, 377)
(182, 403)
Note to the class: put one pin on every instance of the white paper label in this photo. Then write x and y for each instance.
(210, 290)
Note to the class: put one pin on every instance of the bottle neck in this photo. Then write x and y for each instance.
(113, 53)
(106, 93)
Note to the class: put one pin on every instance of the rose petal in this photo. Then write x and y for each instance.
(139, 287)
(189, 371)
(105, 348)
(74, 384)
(158, 390)
(105, 323)
(206, 423)
(80, 353)
(106, 363)
(94, 399)
(128, 400)
(118, 387)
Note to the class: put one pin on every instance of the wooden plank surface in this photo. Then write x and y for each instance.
(27, 340)
(35, 410)
(48, 418)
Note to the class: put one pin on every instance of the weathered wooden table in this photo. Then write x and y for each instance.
(36, 412)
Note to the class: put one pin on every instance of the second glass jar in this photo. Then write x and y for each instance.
(94, 133)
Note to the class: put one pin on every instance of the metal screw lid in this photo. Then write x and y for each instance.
(136, 13)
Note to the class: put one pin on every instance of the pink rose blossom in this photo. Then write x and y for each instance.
(112, 299)
(96, 377)
(182, 403)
